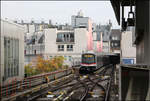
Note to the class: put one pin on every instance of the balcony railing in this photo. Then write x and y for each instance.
(65, 40)
(69, 49)
(61, 49)
(34, 49)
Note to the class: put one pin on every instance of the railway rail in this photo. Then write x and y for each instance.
(97, 82)
(83, 87)
(31, 85)
(64, 86)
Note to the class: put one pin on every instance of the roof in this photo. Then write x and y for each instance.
(116, 6)
(12, 23)
(115, 32)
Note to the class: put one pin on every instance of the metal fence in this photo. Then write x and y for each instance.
(15, 86)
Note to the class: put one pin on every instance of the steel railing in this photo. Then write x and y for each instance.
(15, 86)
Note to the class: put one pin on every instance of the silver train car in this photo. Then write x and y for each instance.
(93, 61)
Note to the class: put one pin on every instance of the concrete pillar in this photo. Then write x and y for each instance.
(142, 32)
(148, 93)
(138, 86)
(124, 79)
(120, 94)
(0, 58)
(143, 29)
(133, 84)
(128, 97)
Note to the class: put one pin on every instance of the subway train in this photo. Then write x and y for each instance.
(93, 61)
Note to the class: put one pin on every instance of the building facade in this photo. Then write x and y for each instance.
(115, 38)
(79, 20)
(101, 37)
(11, 51)
(128, 50)
(67, 43)
(34, 26)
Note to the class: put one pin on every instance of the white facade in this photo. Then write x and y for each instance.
(128, 50)
(11, 51)
(32, 49)
(32, 28)
(67, 43)
(79, 44)
(29, 28)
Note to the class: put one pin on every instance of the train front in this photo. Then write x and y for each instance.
(88, 63)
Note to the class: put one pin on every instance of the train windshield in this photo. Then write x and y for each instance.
(88, 58)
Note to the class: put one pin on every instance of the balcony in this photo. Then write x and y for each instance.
(69, 49)
(37, 49)
(69, 40)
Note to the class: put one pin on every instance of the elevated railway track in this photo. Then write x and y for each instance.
(91, 87)
(64, 85)
(33, 84)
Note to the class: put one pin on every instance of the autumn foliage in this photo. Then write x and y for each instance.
(43, 66)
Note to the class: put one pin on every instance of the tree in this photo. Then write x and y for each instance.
(29, 70)
(43, 66)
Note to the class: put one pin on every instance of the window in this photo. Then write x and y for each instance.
(116, 38)
(113, 38)
(88, 58)
(60, 37)
(60, 47)
(35, 52)
(50, 57)
(116, 44)
(70, 58)
(71, 37)
(65, 57)
(69, 47)
(25, 52)
(65, 37)
(11, 57)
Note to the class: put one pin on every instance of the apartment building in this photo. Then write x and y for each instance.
(115, 39)
(101, 37)
(80, 20)
(69, 41)
(53, 42)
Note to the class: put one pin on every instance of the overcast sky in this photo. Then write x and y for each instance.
(58, 11)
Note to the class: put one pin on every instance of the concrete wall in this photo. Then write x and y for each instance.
(81, 40)
(13, 31)
(29, 28)
(148, 94)
(142, 30)
(50, 41)
(127, 48)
